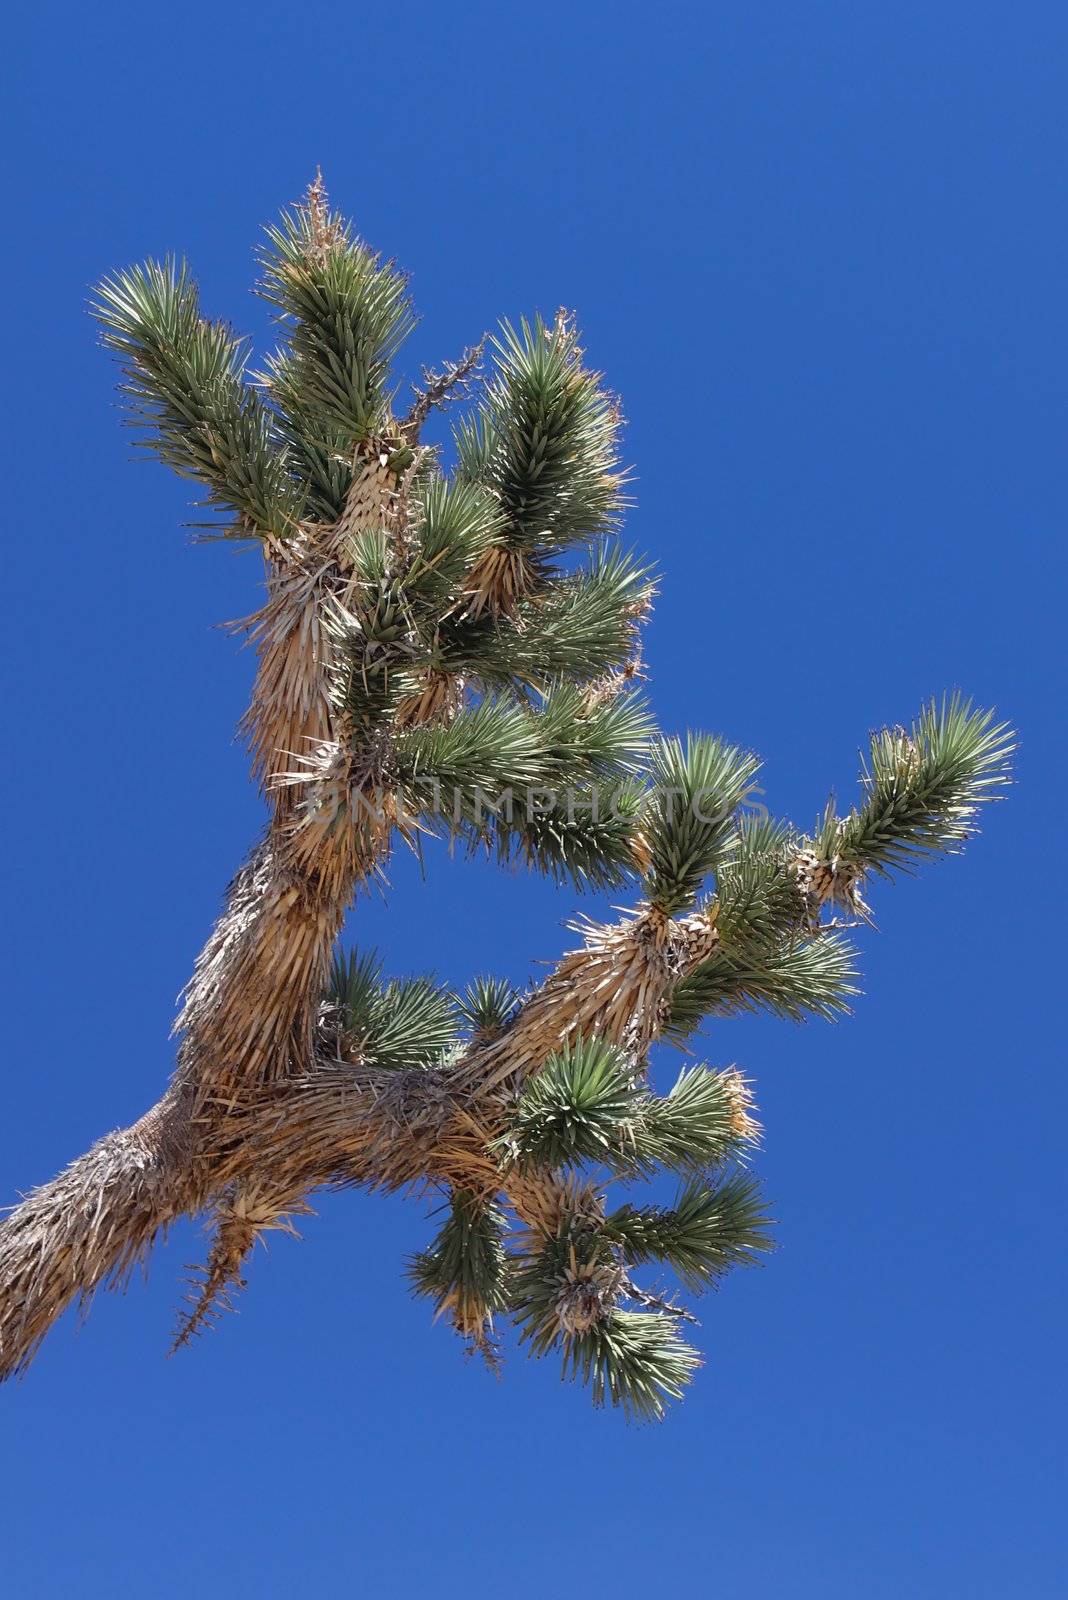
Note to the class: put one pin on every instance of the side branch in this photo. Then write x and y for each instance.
(440, 387)
(338, 1124)
(91, 1224)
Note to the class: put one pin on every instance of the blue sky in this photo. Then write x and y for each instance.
(820, 250)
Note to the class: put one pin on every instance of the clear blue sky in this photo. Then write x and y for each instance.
(820, 249)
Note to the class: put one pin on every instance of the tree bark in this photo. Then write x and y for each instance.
(94, 1221)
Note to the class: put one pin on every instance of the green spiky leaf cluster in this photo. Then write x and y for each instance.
(569, 1291)
(923, 788)
(587, 1104)
(582, 1106)
(186, 391)
(487, 1004)
(399, 1024)
(710, 1229)
(577, 627)
(346, 314)
(465, 1270)
(633, 1359)
(801, 978)
(697, 789)
(567, 1282)
(545, 442)
(550, 779)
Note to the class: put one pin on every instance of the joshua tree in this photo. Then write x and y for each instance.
(456, 653)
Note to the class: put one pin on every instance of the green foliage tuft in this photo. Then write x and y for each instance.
(633, 1359)
(185, 388)
(689, 822)
(697, 1125)
(580, 1106)
(408, 1022)
(578, 626)
(585, 839)
(805, 977)
(465, 1271)
(455, 768)
(487, 1005)
(924, 786)
(457, 521)
(758, 900)
(710, 1229)
(345, 313)
(545, 441)
(547, 784)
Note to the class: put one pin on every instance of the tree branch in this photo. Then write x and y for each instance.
(440, 387)
(91, 1224)
(335, 1122)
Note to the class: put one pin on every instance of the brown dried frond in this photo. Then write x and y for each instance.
(740, 1095)
(325, 232)
(371, 495)
(249, 1008)
(589, 1294)
(640, 851)
(242, 1216)
(291, 702)
(440, 698)
(565, 331)
(339, 830)
(612, 684)
(499, 581)
(547, 1202)
(830, 882)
